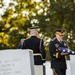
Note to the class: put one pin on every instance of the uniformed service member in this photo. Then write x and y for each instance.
(36, 45)
(58, 61)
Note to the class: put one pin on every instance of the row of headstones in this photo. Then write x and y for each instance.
(20, 62)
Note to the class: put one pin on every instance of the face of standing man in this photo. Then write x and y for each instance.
(59, 37)
(60, 34)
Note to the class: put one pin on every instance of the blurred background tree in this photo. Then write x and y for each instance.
(49, 15)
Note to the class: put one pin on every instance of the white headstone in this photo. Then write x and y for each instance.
(72, 64)
(38, 69)
(16, 62)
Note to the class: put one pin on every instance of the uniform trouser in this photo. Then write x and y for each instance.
(59, 71)
(44, 70)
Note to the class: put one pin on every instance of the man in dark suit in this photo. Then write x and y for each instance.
(58, 61)
(21, 42)
(36, 45)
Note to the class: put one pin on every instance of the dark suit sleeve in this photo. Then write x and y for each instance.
(54, 52)
(52, 49)
(43, 52)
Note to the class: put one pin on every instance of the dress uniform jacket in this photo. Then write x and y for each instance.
(33, 43)
(57, 61)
